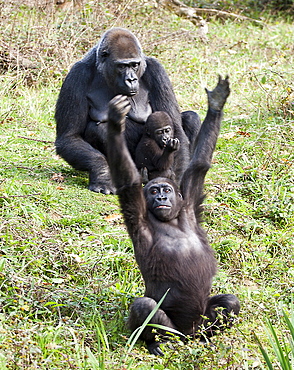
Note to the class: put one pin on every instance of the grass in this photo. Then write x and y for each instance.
(67, 270)
(282, 343)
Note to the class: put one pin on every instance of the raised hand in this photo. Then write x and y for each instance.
(218, 96)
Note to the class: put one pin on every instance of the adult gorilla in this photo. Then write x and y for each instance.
(116, 65)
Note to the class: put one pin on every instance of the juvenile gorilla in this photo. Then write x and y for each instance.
(163, 221)
(116, 65)
(155, 151)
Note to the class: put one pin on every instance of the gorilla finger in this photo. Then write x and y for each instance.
(118, 101)
(158, 352)
(155, 349)
(177, 144)
(123, 104)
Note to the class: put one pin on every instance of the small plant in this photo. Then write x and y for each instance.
(284, 347)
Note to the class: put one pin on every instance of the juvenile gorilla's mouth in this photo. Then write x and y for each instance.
(163, 206)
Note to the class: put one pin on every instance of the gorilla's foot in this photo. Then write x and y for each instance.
(99, 180)
(101, 188)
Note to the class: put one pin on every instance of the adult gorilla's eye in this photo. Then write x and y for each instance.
(104, 54)
(135, 66)
(121, 66)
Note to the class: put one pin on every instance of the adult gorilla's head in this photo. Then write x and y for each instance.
(163, 198)
(121, 60)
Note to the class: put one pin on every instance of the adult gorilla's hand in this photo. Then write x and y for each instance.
(118, 108)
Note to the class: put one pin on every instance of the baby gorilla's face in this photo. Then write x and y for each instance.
(162, 135)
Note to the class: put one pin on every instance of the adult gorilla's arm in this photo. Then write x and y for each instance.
(162, 98)
(72, 107)
(124, 173)
(72, 115)
(193, 179)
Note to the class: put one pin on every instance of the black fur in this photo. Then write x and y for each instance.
(163, 221)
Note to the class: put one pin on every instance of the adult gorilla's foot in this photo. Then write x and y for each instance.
(104, 189)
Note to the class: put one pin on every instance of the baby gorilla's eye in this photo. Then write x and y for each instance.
(167, 190)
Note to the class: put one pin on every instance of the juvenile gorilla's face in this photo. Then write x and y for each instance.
(163, 200)
(162, 135)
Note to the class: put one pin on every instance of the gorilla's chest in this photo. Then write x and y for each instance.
(172, 258)
(178, 242)
(99, 97)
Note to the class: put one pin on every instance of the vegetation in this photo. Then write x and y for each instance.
(253, 8)
(67, 270)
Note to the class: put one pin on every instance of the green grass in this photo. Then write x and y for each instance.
(67, 270)
(281, 342)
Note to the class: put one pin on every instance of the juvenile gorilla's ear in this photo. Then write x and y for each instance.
(180, 195)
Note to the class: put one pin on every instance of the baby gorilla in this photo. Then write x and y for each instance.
(155, 151)
(163, 222)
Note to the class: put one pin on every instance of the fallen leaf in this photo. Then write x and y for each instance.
(229, 135)
(113, 217)
(58, 177)
(243, 133)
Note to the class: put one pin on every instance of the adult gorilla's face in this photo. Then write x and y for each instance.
(121, 60)
(126, 80)
(163, 199)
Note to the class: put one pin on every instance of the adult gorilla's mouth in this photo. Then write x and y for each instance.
(163, 206)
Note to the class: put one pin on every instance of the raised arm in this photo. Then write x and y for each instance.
(124, 174)
(193, 179)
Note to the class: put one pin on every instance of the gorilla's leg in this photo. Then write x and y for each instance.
(191, 124)
(220, 312)
(82, 156)
(139, 311)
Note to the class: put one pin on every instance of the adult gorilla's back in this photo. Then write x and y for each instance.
(116, 65)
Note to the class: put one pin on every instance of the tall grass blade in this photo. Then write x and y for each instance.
(278, 348)
(283, 349)
(92, 360)
(264, 353)
(136, 334)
